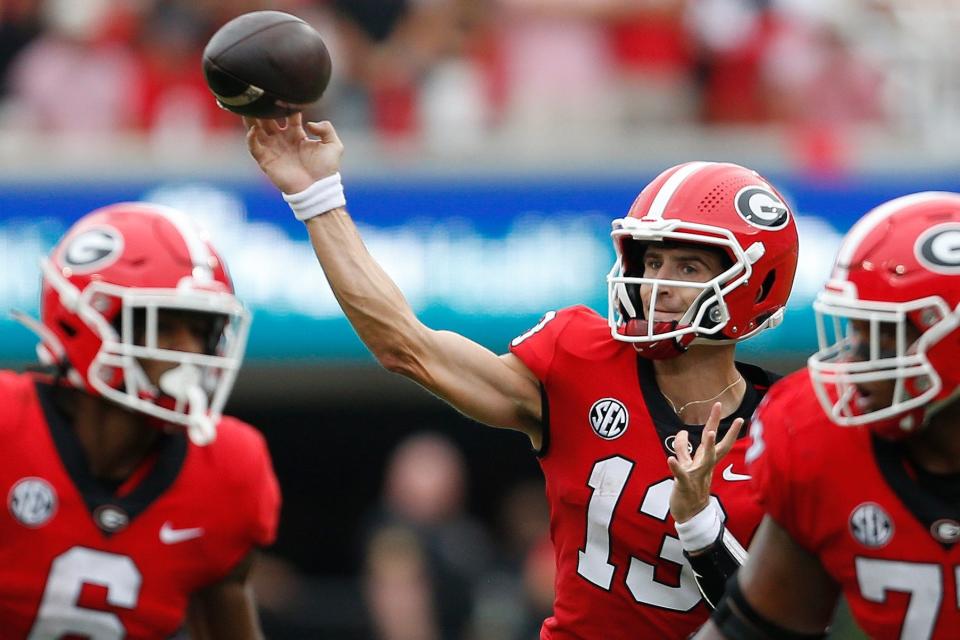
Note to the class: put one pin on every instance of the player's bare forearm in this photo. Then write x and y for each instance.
(226, 609)
(468, 376)
(782, 591)
(786, 583)
(368, 296)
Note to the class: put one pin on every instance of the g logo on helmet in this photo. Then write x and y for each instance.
(938, 248)
(93, 249)
(761, 207)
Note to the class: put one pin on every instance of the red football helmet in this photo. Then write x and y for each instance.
(104, 286)
(714, 205)
(891, 313)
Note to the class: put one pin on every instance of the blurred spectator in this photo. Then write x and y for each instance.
(399, 587)
(19, 24)
(516, 593)
(819, 85)
(654, 57)
(558, 65)
(76, 76)
(539, 572)
(814, 75)
(524, 521)
(444, 551)
(440, 75)
(172, 95)
(390, 46)
(731, 39)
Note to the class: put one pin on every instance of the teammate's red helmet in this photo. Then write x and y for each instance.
(714, 205)
(104, 287)
(897, 275)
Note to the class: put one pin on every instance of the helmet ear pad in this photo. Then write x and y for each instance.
(81, 339)
(942, 350)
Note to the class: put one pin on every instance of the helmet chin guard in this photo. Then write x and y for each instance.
(844, 364)
(663, 349)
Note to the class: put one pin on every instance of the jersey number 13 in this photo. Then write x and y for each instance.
(608, 480)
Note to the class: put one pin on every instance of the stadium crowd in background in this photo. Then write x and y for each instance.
(407, 68)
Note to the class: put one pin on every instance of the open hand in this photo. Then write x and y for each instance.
(691, 489)
(290, 158)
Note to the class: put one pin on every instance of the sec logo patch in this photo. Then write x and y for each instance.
(609, 418)
(32, 501)
(870, 525)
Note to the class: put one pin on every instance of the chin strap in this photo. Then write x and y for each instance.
(201, 429)
(659, 349)
(50, 351)
(183, 384)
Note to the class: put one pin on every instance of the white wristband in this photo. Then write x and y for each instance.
(702, 530)
(322, 196)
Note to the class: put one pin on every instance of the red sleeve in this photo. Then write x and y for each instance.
(266, 490)
(14, 394)
(247, 472)
(537, 347)
(769, 457)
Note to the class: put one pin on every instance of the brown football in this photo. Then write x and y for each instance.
(266, 64)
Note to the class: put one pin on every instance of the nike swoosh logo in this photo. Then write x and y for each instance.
(169, 535)
(730, 476)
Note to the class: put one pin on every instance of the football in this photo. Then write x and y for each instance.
(266, 64)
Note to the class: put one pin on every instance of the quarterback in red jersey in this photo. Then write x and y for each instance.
(130, 500)
(705, 257)
(857, 458)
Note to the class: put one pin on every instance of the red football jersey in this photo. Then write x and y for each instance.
(607, 435)
(848, 497)
(81, 559)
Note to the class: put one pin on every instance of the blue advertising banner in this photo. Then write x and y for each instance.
(484, 257)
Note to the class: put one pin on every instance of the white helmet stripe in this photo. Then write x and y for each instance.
(670, 187)
(868, 223)
(199, 252)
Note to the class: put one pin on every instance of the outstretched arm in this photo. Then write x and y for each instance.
(781, 592)
(496, 390)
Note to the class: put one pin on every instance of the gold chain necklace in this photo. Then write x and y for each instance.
(722, 391)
